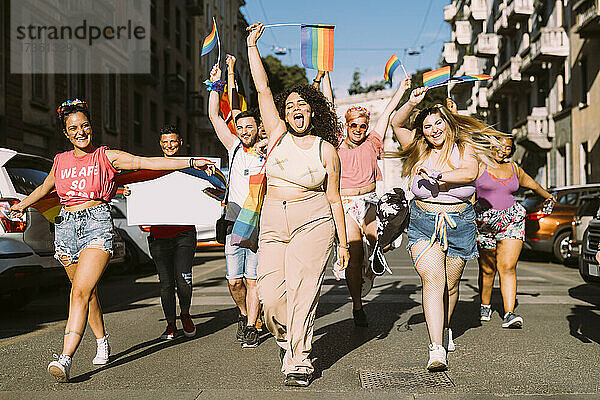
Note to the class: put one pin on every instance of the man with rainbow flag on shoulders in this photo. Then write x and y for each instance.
(245, 159)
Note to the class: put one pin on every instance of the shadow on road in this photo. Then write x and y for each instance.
(584, 322)
(219, 320)
(117, 293)
(341, 338)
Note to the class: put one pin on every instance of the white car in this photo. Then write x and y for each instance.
(27, 245)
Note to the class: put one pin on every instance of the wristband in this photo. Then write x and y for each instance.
(216, 86)
(316, 81)
(192, 162)
(252, 45)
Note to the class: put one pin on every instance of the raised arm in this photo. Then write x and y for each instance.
(268, 111)
(327, 89)
(223, 132)
(123, 160)
(234, 100)
(332, 191)
(528, 182)
(384, 118)
(35, 196)
(399, 120)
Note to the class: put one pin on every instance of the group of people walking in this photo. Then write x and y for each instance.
(320, 198)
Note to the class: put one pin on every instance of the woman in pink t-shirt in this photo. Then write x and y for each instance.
(84, 179)
(358, 154)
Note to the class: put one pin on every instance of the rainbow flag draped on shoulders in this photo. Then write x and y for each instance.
(317, 46)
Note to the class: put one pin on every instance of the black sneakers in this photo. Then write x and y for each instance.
(512, 320)
(242, 322)
(251, 337)
(298, 380)
(360, 318)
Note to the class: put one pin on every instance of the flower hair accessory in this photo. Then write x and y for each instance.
(69, 103)
(361, 111)
(217, 86)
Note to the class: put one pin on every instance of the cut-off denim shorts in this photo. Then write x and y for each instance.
(461, 238)
(76, 231)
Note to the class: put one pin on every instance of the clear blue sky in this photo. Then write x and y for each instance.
(366, 33)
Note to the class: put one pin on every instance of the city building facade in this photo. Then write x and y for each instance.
(128, 110)
(532, 49)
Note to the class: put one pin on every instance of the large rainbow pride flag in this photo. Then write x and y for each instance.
(437, 76)
(211, 40)
(317, 46)
(50, 205)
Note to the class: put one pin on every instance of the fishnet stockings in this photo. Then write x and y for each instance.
(440, 277)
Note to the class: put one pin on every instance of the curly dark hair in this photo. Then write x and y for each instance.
(325, 122)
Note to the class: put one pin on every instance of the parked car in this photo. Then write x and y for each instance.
(587, 210)
(27, 245)
(588, 265)
(551, 233)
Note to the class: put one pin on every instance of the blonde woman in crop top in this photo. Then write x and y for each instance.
(300, 215)
(84, 179)
(441, 155)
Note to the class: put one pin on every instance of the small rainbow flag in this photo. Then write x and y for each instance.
(468, 78)
(317, 46)
(390, 67)
(437, 76)
(211, 40)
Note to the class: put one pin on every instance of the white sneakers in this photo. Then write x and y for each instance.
(60, 369)
(437, 358)
(102, 352)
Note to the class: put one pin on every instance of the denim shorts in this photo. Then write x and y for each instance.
(241, 262)
(461, 237)
(77, 230)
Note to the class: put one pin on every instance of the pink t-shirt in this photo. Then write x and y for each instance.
(80, 179)
(359, 165)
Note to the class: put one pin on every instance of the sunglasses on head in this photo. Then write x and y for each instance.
(354, 125)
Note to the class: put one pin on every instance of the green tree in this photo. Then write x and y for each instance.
(357, 88)
(283, 77)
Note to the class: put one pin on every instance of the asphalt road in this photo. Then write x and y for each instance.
(556, 355)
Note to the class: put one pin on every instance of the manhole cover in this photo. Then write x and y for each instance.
(404, 379)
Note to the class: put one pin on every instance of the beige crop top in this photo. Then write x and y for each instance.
(290, 166)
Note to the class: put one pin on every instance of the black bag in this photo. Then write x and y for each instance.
(222, 224)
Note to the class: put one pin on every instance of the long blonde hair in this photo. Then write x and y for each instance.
(460, 130)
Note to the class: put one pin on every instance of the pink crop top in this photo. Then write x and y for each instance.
(456, 192)
(359, 165)
(80, 179)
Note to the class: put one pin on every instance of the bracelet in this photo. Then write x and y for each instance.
(216, 86)
(436, 174)
(344, 247)
(316, 81)
(252, 45)
(192, 162)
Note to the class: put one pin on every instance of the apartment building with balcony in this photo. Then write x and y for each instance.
(127, 110)
(524, 46)
(584, 63)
